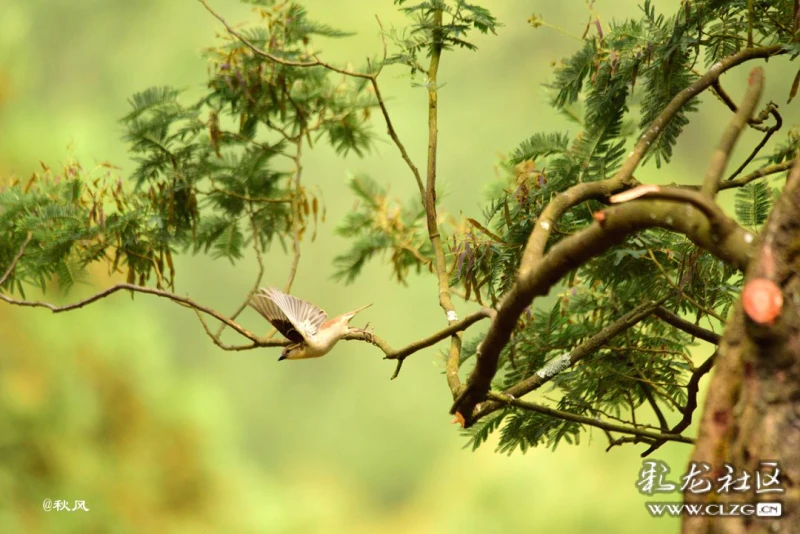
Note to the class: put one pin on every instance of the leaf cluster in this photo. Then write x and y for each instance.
(215, 175)
(379, 225)
(438, 25)
(76, 218)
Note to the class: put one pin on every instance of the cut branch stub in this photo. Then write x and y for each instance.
(762, 301)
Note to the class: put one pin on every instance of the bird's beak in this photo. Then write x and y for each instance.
(351, 314)
(283, 357)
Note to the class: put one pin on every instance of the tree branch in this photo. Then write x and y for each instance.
(719, 159)
(725, 239)
(756, 123)
(690, 328)
(298, 173)
(624, 177)
(216, 336)
(184, 301)
(401, 354)
(755, 175)
(773, 110)
(581, 419)
(13, 264)
(277, 59)
(692, 389)
(720, 223)
(445, 300)
(565, 361)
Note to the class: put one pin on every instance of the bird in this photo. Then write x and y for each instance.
(305, 325)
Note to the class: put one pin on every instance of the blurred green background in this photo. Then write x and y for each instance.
(128, 406)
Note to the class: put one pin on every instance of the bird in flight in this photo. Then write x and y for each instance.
(308, 328)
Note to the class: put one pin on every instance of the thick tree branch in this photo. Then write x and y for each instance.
(557, 206)
(584, 420)
(733, 244)
(565, 361)
(523, 292)
(719, 159)
(720, 223)
(624, 177)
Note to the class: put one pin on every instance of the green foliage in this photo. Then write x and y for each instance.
(524, 430)
(753, 204)
(540, 145)
(74, 219)
(480, 431)
(654, 58)
(210, 175)
(458, 18)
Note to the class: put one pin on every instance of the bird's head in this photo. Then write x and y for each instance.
(293, 352)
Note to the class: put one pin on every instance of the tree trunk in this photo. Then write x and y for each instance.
(752, 413)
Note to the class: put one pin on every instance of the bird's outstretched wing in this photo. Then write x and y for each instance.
(294, 318)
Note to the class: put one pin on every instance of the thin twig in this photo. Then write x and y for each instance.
(389, 126)
(13, 264)
(279, 60)
(626, 439)
(401, 354)
(597, 411)
(691, 402)
(675, 286)
(232, 194)
(295, 218)
(758, 173)
(259, 276)
(772, 109)
(184, 301)
(662, 421)
(388, 352)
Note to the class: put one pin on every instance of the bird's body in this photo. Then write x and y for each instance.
(308, 328)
